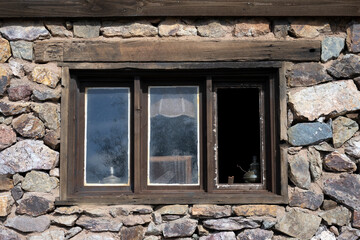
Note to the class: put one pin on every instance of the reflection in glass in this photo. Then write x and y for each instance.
(107, 136)
(173, 135)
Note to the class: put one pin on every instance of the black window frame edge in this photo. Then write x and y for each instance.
(68, 196)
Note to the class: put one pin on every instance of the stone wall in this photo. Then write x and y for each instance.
(323, 136)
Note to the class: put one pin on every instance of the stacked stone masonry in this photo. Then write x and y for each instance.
(323, 138)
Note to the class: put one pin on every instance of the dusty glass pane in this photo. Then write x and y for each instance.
(173, 135)
(107, 136)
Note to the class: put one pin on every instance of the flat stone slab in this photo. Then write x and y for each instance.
(303, 134)
(28, 224)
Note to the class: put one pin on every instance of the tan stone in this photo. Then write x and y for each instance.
(308, 29)
(173, 209)
(252, 28)
(256, 210)
(5, 50)
(133, 220)
(6, 202)
(174, 27)
(6, 183)
(213, 211)
(49, 113)
(48, 75)
(68, 210)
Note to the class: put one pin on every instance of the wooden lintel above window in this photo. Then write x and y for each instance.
(116, 8)
(114, 50)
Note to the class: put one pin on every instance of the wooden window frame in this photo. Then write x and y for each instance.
(73, 192)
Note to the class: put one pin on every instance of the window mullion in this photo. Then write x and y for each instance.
(137, 135)
(210, 163)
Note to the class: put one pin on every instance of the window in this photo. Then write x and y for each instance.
(172, 136)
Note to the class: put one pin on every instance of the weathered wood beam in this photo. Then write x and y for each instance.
(116, 8)
(175, 51)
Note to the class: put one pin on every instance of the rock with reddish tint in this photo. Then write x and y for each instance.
(99, 224)
(211, 211)
(28, 224)
(174, 27)
(298, 224)
(344, 189)
(347, 67)
(64, 220)
(13, 108)
(353, 37)
(348, 233)
(49, 113)
(184, 227)
(127, 30)
(356, 219)
(22, 49)
(133, 220)
(219, 236)
(308, 29)
(132, 233)
(47, 94)
(339, 216)
(307, 74)
(27, 155)
(39, 182)
(256, 210)
(7, 234)
(6, 203)
(34, 206)
(20, 30)
(299, 172)
(230, 224)
(338, 162)
(6, 183)
(5, 50)
(17, 192)
(213, 29)
(126, 210)
(48, 75)
(173, 210)
(310, 199)
(27, 125)
(252, 28)
(58, 29)
(86, 29)
(329, 99)
(19, 93)
(7, 137)
(252, 234)
(52, 139)
(331, 48)
(280, 28)
(343, 129)
(315, 162)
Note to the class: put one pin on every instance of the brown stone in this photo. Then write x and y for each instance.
(251, 234)
(302, 28)
(256, 210)
(334, 230)
(58, 29)
(126, 210)
(48, 75)
(13, 108)
(64, 220)
(174, 27)
(230, 224)
(5, 50)
(211, 211)
(86, 28)
(19, 93)
(6, 183)
(27, 125)
(343, 129)
(307, 74)
(356, 219)
(34, 206)
(353, 37)
(17, 192)
(6, 203)
(252, 28)
(329, 204)
(52, 139)
(49, 113)
(346, 67)
(68, 210)
(310, 199)
(213, 29)
(338, 162)
(281, 28)
(7, 136)
(132, 233)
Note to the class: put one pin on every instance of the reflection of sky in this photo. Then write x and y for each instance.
(106, 132)
(188, 93)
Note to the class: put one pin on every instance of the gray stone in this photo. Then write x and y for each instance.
(299, 172)
(253, 27)
(22, 49)
(7, 234)
(343, 129)
(27, 125)
(7, 137)
(347, 67)
(6, 120)
(64, 220)
(339, 216)
(126, 210)
(4, 82)
(303, 134)
(39, 182)
(86, 29)
(213, 29)
(49, 113)
(17, 178)
(28, 224)
(323, 234)
(280, 28)
(338, 162)
(329, 99)
(69, 210)
(220, 236)
(174, 27)
(153, 229)
(17, 93)
(133, 220)
(230, 224)
(184, 227)
(55, 172)
(96, 211)
(353, 37)
(352, 147)
(348, 233)
(34, 206)
(58, 29)
(27, 155)
(170, 217)
(28, 31)
(307, 74)
(13, 108)
(156, 217)
(310, 199)
(47, 94)
(127, 30)
(173, 210)
(254, 234)
(331, 48)
(315, 162)
(132, 233)
(17, 193)
(298, 224)
(211, 211)
(324, 147)
(72, 232)
(344, 190)
(51, 234)
(99, 224)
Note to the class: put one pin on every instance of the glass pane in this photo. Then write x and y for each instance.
(107, 136)
(173, 135)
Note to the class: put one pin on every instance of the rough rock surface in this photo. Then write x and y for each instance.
(353, 37)
(132, 233)
(210, 211)
(339, 216)
(344, 189)
(299, 172)
(39, 182)
(256, 210)
(22, 49)
(7, 234)
(325, 99)
(298, 224)
(308, 29)
(173, 210)
(68, 210)
(6, 202)
(99, 224)
(280, 28)
(13, 108)
(230, 224)
(348, 233)
(72, 232)
(6, 183)
(86, 29)
(316, 163)
(339, 162)
(65, 220)
(135, 219)
(28, 224)
(303, 134)
(252, 28)
(356, 219)
(343, 129)
(352, 147)
(7, 137)
(310, 199)
(184, 227)
(127, 30)
(17, 93)
(49, 113)
(47, 94)
(253, 234)
(219, 236)
(331, 48)
(347, 67)
(5, 50)
(213, 29)
(126, 210)
(48, 75)
(17, 193)
(27, 125)
(51, 234)
(28, 31)
(174, 27)
(35, 206)
(27, 155)
(307, 74)
(58, 29)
